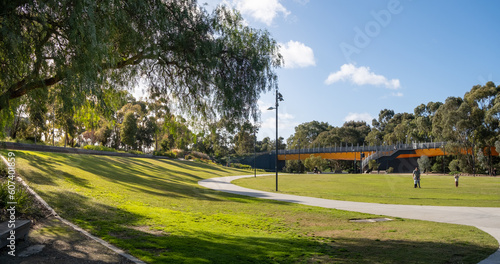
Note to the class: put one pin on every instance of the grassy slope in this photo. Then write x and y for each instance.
(155, 210)
(387, 188)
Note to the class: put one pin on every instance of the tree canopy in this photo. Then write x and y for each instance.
(207, 65)
(470, 126)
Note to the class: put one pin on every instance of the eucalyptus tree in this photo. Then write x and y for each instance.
(266, 145)
(423, 120)
(244, 140)
(129, 130)
(351, 132)
(209, 65)
(383, 118)
(399, 128)
(457, 121)
(485, 104)
(306, 133)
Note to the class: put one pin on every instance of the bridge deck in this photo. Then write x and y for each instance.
(413, 150)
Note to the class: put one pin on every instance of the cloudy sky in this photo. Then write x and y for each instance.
(347, 60)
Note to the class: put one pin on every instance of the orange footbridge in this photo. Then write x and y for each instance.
(400, 151)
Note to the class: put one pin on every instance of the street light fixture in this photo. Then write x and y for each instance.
(279, 98)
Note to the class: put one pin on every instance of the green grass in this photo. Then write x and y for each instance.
(155, 210)
(386, 188)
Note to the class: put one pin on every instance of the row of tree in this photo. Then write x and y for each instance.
(66, 67)
(129, 124)
(470, 125)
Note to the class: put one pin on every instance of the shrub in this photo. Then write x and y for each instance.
(240, 166)
(436, 167)
(373, 165)
(25, 205)
(136, 152)
(454, 165)
(189, 157)
(99, 148)
(164, 154)
(292, 166)
(315, 161)
(178, 152)
(199, 155)
(206, 161)
(424, 163)
(3, 169)
(390, 170)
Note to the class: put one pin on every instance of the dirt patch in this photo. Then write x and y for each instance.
(147, 229)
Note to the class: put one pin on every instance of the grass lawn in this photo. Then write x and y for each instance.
(386, 188)
(155, 210)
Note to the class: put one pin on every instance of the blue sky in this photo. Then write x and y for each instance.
(349, 59)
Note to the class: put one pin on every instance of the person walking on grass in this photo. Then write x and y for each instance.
(456, 180)
(416, 177)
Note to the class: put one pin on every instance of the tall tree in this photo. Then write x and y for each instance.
(129, 130)
(244, 139)
(210, 65)
(306, 133)
(485, 115)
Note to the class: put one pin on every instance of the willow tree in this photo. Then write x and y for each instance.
(208, 65)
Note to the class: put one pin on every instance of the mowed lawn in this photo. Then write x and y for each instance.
(386, 188)
(156, 211)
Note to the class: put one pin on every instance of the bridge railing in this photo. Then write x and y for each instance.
(382, 148)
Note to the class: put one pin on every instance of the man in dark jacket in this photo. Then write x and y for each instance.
(416, 177)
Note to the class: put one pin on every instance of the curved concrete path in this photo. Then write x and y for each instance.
(484, 218)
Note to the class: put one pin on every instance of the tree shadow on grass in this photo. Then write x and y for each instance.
(117, 170)
(194, 166)
(209, 247)
(47, 165)
(129, 169)
(83, 211)
(116, 225)
(140, 177)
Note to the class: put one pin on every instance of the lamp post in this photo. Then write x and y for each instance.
(254, 152)
(300, 164)
(279, 98)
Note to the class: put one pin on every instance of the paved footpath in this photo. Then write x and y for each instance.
(484, 218)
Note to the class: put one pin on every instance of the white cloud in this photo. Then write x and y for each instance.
(285, 121)
(262, 10)
(361, 76)
(359, 117)
(302, 2)
(263, 106)
(397, 94)
(286, 125)
(297, 55)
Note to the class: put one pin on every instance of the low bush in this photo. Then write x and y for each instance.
(99, 148)
(165, 154)
(3, 169)
(437, 167)
(178, 153)
(136, 152)
(199, 155)
(390, 170)
(206, 161)
(240, 166)
(13, 191)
